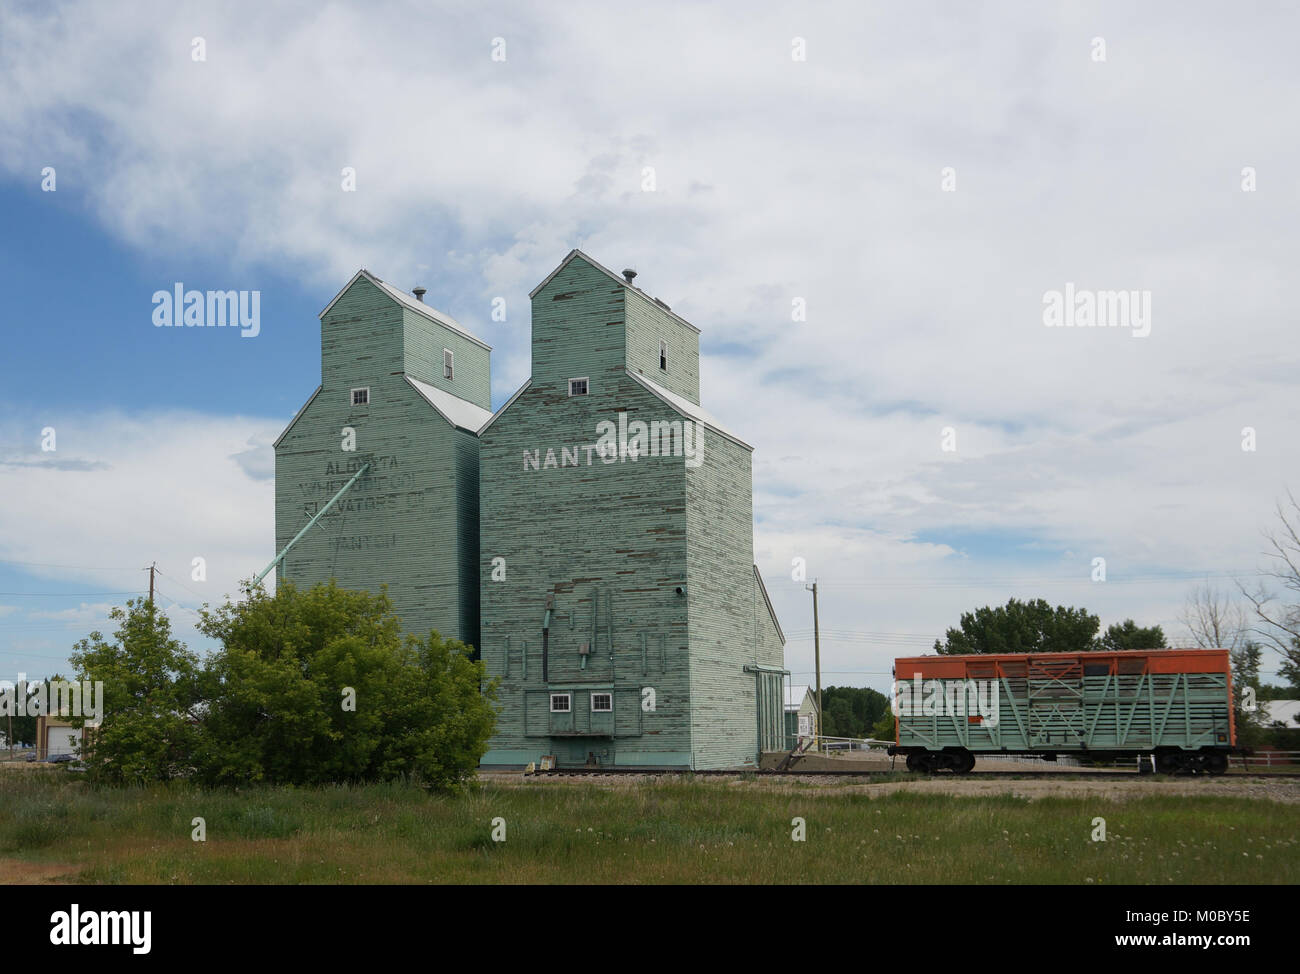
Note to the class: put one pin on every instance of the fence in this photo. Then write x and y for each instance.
(1269, 759)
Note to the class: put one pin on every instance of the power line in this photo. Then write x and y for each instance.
(181, 584)
(179, 605)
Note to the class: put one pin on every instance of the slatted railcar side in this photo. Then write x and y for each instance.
(1175, 705)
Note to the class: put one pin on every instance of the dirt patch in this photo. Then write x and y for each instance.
(19, 872)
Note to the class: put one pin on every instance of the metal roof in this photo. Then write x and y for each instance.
(688, 408)
(408, 301)
(455, 410)
(795, 694)
(616, 278)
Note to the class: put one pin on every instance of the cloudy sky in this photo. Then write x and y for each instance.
(917, 177)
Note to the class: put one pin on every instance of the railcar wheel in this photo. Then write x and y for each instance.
(922, 761)
(1216, 762)
(1168, 762)
(963, 761)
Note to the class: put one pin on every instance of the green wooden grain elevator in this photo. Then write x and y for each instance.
(620, 604)
(412, 386)
(593, 538)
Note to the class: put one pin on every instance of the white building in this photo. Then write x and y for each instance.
(1287, 711)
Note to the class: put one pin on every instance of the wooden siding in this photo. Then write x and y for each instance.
(361, 337)
(608, 541)
(578, 330)
(467, 542)
(612, 542)
(423, 343)
(647, 324)
(769, 646)
(720, 557)
(411, 522)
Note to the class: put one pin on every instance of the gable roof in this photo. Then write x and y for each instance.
(768, 602)
(504, 406)
(616, 278)
(407, 301)
(455, 410)
(687, 408)
(795, 695)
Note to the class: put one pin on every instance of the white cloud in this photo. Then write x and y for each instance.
(776, 180)
(163, 487)
(84, 613)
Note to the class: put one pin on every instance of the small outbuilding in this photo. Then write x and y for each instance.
(56, 737)
(800, 715)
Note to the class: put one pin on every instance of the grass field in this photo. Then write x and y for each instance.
(681, 831)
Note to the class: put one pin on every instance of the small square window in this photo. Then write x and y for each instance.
(663, 355)
(447, 369)
(602, 703)
(361, 397)
(578, 387)
(560, 703)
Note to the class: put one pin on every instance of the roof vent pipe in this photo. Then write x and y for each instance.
(628, 274)
(419, 293)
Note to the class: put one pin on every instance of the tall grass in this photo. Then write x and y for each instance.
(677, 831)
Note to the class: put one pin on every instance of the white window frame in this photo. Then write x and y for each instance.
(602, 710)
(448, 364)
(663, 355)
(586, 386)
(568, 703)
(352, 396)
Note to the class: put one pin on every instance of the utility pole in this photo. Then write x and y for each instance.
(817, 659)
(151, 569)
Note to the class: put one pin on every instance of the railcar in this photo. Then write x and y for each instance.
(1171, 707)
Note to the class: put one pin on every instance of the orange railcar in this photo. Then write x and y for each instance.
(1173, 705)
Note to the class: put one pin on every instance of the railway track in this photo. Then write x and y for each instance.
(986, 775)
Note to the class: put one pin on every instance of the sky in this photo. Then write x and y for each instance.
(865, 208)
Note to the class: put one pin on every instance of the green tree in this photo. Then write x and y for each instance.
(1129, 635)
(150, 697)
(1289, 669)
(838, 721)
(851, 711)
(1245, 662)
(1021, 627)
(319, 685)
(883, 729)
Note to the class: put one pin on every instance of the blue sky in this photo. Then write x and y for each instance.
(775, 181)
